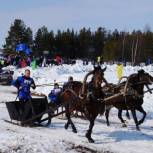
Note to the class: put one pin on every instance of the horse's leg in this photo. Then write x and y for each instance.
(135, 118)
(62, 110)
(120, 117)
(88, 134)
(107, 116)
(140, 109)
(57, 110)
(69, 121)
(68, 117)
(127, 114)
(73, 126)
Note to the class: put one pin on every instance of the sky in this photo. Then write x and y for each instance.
(124, 15)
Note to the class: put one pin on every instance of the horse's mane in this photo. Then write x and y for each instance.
(134, 75)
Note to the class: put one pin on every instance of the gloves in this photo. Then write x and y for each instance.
(33, 86)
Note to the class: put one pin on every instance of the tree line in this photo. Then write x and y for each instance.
(135, 46)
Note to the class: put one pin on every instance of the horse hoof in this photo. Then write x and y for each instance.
(125, 121)
(124, 125)
(75, 131)
(66, 127)
(140, 122)
(138, 129)
(91, 140)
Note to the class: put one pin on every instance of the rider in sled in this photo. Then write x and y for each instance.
(23, 84)
(68, 84)
(54, 95)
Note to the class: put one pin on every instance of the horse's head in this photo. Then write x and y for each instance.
(98, 76)
(145, 77)
(97, 79)
(139, 80)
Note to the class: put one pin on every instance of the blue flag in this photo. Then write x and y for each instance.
(21, 47)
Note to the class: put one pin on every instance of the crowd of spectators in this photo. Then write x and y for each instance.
(21, 61)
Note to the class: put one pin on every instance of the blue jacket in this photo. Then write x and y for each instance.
(53, 95)
(23, 85)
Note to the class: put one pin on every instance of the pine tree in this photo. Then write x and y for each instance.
(18, 33)
(44, 40)
(99, 40)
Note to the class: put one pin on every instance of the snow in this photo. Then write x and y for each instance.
(55, 139)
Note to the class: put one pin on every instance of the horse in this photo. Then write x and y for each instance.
(78, 98)
(133, 96)
(109, 90)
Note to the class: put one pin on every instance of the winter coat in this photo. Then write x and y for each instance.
(23, 85)
(53, 95)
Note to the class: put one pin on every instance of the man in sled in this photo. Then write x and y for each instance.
(68, 84)
(23, 84)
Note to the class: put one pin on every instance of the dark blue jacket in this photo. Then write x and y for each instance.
(53, 95)
(23, 85)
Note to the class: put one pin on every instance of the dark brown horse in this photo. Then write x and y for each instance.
(132, 99)
(90, 103)
(109, 90)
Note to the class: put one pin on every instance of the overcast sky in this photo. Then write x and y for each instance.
(62, 14)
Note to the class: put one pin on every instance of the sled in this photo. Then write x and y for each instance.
(38, 108)
(41, 112)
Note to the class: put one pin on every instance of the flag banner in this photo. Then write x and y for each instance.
(119, 71)
(21, 47)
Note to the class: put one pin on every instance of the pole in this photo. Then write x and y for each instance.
(136, 47)
(123, 47)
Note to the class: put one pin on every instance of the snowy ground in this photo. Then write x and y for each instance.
(55, 139)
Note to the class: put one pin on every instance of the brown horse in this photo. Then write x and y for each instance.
(133, 99)
(90, 103)
(109, 90)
